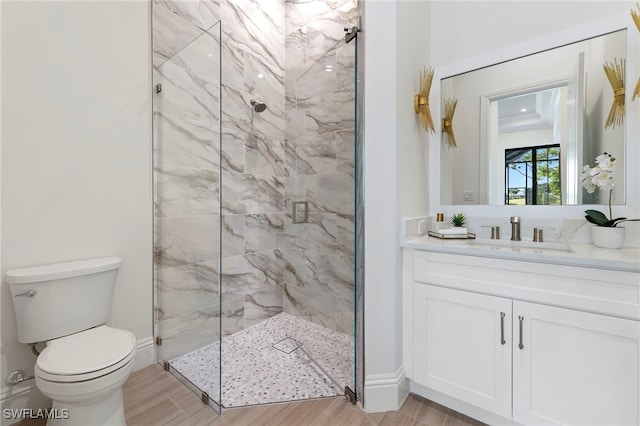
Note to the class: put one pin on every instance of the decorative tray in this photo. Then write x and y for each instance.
(467, 236)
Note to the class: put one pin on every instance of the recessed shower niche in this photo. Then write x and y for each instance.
(255, 115)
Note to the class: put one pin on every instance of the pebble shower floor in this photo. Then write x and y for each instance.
(268, 363)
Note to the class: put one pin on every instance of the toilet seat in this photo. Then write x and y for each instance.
(86, 355)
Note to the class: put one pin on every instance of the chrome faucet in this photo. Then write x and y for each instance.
(515, 228)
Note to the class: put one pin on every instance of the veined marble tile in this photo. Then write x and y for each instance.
(295, 190)
(322, 39)
(316, 154)
(340, 13)
(295, 121)
(345, 318)
(262, 25)
(186, 240)
(312, 305)
(262, 305)
(177, 23)
(263, 232)
(250, 273)
(296, 57)
(202, 13)
(329, 113)
(232, 315)
(292, 261)
(269, 124)
(183, 289)
(233, 231)
(184, 151)
(236, 114)
(264, 157)
(246, 193)
(270, 263)
(329, 273)
(182, 191)
(330, 193)
(233, 58)
(345, 234)
(187, 110)
(345, 152)
(290, 159)
(263, 82)
(188, 332)
(196, 71)
(318, 78)
(232, 152)
(346, 68)
(319, 234)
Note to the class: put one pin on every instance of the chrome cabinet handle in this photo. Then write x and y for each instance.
(30, 293)
(502, 341)
(521, 320)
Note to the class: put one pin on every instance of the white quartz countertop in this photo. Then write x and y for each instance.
(586, 255)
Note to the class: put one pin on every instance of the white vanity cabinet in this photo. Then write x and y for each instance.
(530, 342)
(574, 367)
(462, 346)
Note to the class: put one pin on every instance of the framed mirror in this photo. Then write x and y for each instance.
(526, 126)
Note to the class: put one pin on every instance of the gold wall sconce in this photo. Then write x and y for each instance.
(636, 18)
(421, 101)
(447, 122)
(615, 74)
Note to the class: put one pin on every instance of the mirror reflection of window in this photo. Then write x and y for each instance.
(530, 129)
(565, 84)
(532, 175)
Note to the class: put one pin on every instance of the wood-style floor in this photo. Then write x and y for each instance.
(153, 397)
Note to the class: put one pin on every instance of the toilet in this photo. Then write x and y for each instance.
(85, 363)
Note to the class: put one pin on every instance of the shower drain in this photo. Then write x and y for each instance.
(287, 345)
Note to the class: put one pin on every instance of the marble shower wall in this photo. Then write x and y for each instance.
(186, 152)
(319, 162)
(225, 180)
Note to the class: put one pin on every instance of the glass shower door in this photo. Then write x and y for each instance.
(324, 220)
(186, 157)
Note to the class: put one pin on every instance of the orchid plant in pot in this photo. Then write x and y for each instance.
(606, 233)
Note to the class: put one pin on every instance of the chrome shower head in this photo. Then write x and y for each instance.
(258, 106)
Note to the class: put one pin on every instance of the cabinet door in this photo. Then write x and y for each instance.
(574, 367)
(462, 346)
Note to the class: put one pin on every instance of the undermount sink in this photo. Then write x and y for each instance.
(521, 246)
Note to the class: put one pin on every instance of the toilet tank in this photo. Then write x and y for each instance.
(52, 301)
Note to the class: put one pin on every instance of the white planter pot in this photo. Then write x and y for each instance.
(607, 237)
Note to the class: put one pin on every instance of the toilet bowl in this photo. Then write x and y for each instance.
(83, 374)
(85, 363)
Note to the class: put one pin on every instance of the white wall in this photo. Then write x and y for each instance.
(381, 216)
(395, 172)
(76, 154)
(466, 29)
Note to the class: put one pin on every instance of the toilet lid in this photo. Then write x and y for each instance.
(85, 352)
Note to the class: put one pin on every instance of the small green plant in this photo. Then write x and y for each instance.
(458, 219)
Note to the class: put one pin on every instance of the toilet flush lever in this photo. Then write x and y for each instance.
(30, 293)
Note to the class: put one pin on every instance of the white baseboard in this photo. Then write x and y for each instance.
(385, 392)
(146, 353)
